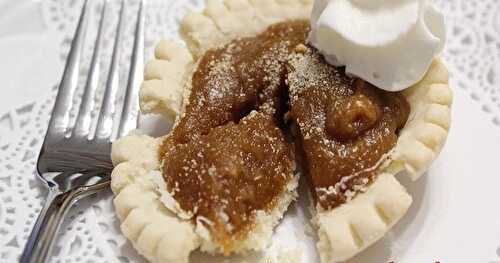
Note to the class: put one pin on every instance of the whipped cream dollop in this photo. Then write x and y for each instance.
(389, 43)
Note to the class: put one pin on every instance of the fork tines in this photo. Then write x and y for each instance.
(108, 116)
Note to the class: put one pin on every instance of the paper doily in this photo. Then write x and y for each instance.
(91, 232)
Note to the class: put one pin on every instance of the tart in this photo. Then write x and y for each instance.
(254, 108)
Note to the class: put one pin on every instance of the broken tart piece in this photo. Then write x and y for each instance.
(224, 176)
(354, 138)
(346, 130)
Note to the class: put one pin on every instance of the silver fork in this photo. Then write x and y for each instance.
(74, 162)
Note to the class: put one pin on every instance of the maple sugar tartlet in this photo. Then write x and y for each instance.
(251, 103)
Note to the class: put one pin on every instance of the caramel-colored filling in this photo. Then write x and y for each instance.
(346, 127)
(219, 163)
(229, 174)
(231, 155)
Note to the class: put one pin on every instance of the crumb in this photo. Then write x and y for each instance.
(301, 48)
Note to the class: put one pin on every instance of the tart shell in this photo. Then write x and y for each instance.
(161, 235)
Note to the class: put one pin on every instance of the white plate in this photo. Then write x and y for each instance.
(455, 216)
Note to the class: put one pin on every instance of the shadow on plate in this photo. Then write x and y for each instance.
(396, 242)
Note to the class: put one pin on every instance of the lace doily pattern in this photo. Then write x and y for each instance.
(91, 231)
(473, 50)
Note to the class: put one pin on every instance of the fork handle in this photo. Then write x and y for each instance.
(40, 241)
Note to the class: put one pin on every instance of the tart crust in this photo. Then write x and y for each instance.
(162, 236)
(153, 221)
